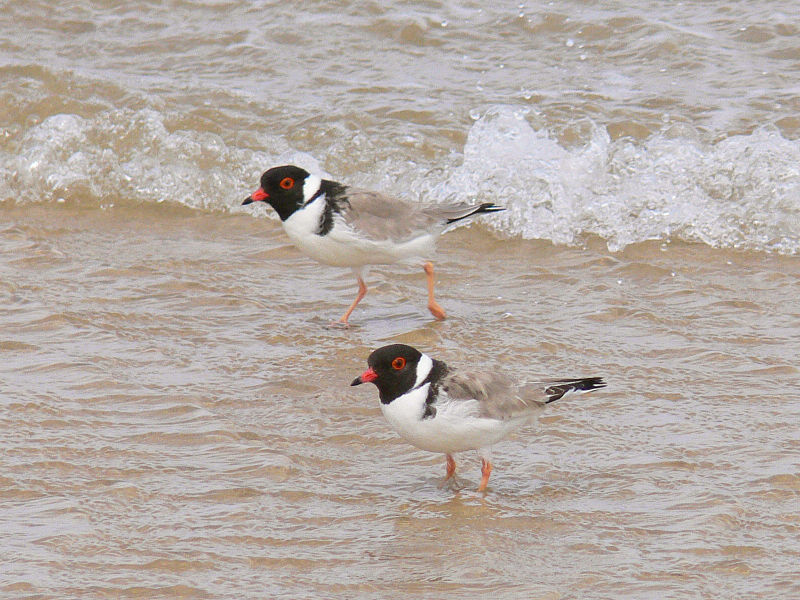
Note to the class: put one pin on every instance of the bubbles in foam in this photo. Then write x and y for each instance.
(742, 192)
(132, 156)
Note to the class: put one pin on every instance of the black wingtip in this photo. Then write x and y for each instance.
(559, 388)
(489, 207)
(486, 207)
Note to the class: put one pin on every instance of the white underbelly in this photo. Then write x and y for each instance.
(449, 438)
(451, 430)
(343, 249)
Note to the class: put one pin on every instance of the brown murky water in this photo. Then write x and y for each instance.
(176, 419)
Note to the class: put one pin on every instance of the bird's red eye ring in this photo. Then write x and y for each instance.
(287, 183)
(398, 363)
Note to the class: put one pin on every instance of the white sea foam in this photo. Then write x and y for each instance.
(740, 192)
(132, 156)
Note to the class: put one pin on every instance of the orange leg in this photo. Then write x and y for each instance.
(362, 291)
(486, 470)
(451, 467)
(433, 306)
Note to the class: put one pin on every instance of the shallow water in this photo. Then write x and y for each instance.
(176, 419)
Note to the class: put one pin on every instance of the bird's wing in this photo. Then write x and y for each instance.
(382, 217)
(555, 389)
(385, 217)
(498, 398)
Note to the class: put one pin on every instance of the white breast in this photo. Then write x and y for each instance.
(304, 223)
(455, 427)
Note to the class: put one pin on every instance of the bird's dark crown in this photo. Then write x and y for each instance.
(284, 188)
(396, 367)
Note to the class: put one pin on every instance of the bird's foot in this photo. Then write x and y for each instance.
(341, 325)
(437, 311)
(486, 470)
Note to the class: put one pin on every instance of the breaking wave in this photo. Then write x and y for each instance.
(742, 191)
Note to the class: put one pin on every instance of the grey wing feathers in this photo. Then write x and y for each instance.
(498, 399)
(384, 217)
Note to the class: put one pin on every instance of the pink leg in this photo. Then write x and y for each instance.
(433, 306)
(362, 291)
(451, 467)
(486, 470)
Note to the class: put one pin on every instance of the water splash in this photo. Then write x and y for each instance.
(132, 156)
(741, 192)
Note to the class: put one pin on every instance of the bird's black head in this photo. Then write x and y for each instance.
(393, 369)
(283, 188)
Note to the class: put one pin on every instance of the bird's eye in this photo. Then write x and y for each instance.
(287, 183)
(398, 363)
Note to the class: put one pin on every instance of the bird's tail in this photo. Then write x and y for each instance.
(486, 207)
(559, 388)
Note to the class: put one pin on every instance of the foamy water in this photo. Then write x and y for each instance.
(741, 192)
